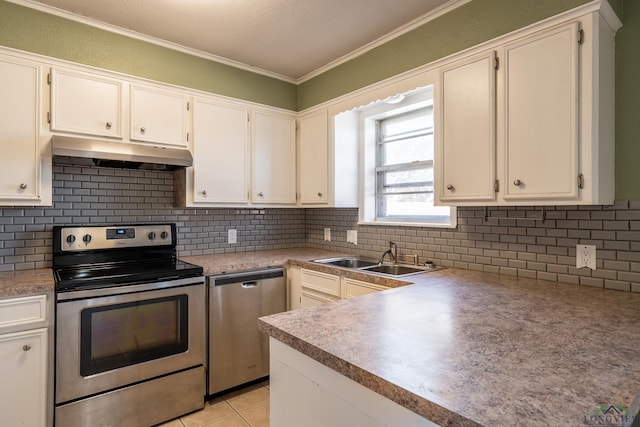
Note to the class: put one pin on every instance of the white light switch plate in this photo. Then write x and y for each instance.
(352, 236)
(232, 236)
(327, 234)
(586, 256)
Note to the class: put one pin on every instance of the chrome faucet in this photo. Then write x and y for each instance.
(392, 252)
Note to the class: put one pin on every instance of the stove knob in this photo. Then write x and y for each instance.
(151, 235)
(164, 235)
(86, 238)
(71, 238)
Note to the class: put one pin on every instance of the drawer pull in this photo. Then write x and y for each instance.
(26, 347)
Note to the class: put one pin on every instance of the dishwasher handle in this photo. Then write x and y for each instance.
(248, 285)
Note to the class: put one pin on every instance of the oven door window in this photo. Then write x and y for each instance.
(119, 335)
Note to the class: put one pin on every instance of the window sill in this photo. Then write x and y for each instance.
(408, 224)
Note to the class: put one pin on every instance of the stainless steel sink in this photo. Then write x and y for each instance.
(348, 262)
(395, 269)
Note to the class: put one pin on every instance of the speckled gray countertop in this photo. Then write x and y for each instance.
(463, 348)
(24, 282)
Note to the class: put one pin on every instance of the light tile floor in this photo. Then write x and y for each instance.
(247, 407)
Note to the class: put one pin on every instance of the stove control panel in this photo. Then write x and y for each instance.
(92, 238)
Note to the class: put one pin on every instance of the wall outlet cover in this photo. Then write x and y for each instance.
(232, 236)
(352, 236)
(327, 234)
(586, 256)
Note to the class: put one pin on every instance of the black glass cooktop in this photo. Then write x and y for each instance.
(105, 275)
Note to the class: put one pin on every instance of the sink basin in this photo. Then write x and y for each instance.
(394, 270)
(347, 262)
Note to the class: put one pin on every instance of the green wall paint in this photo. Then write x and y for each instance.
(464, 27)
(628, 103)
(33, 31)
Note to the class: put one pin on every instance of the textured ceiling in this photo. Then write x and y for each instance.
(290, 38)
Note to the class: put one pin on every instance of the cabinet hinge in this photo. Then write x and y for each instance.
(48, 117)
(496, 185)
(188, 105)
(496, 64)
(187, 136)
(248, 117)
(580, 181)
(49, 78)
(580, 36)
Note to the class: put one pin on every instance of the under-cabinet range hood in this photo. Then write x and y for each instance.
(121, 154)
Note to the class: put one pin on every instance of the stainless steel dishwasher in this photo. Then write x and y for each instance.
(238, 352)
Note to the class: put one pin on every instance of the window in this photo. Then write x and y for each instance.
(398, 142)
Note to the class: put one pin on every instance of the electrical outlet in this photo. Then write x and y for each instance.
(232, 236)
(327, 234)
(352, 236)
(586, 256)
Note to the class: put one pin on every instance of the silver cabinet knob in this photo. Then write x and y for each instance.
(517, 183)
(26, 347)
(142, 130)
(319, 194)
(260, 194)
(23, 186)
(204, 193)
(450, 187)
(109, 125)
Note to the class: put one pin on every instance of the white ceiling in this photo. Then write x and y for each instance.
(290, 39)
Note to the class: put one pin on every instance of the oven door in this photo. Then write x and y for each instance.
(113, 337)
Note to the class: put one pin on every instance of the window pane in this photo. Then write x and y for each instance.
(407, 150)
(411, 206)
(407, 123)
(408, 177)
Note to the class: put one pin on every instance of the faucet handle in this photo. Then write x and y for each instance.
(393, 248)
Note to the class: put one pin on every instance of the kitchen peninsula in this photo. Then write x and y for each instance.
(459, 348)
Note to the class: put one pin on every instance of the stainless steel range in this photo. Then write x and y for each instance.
(130, 327)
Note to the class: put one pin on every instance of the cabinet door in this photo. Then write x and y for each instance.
(158, 116)
(313, 158)
(19, 130)
(467, 137)
(273, 157)
(24, 373)
(541, 121)
(220, 152)
(86, 104)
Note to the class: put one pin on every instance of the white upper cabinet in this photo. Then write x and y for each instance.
(23, 178)
(273, 157)
(86, 103)
(220, 152)
(544, 132)
(312, 162)
(541, 116)
(159, 116)
(466, 148)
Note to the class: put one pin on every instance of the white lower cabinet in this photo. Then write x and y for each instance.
(308, 288)
(25, 367)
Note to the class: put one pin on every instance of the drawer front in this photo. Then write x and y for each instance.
(321, 282)
(354, 288)
(23, 311)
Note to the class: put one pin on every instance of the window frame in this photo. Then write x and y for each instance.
(369, 120)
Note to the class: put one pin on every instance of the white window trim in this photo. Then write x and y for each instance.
(367, 160)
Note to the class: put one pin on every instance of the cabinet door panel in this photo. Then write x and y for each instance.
(19, 129)
(220, 153)
(86, 103)
(158, 116)
(273, 158)
(313, 159)
(541, 126)
(23, 372)
(467, 136)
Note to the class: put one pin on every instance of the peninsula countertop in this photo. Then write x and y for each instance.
(475, 349)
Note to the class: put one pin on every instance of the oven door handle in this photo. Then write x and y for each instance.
(128, 289)
(248, 285)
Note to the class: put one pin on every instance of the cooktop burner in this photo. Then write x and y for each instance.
(98, 257)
